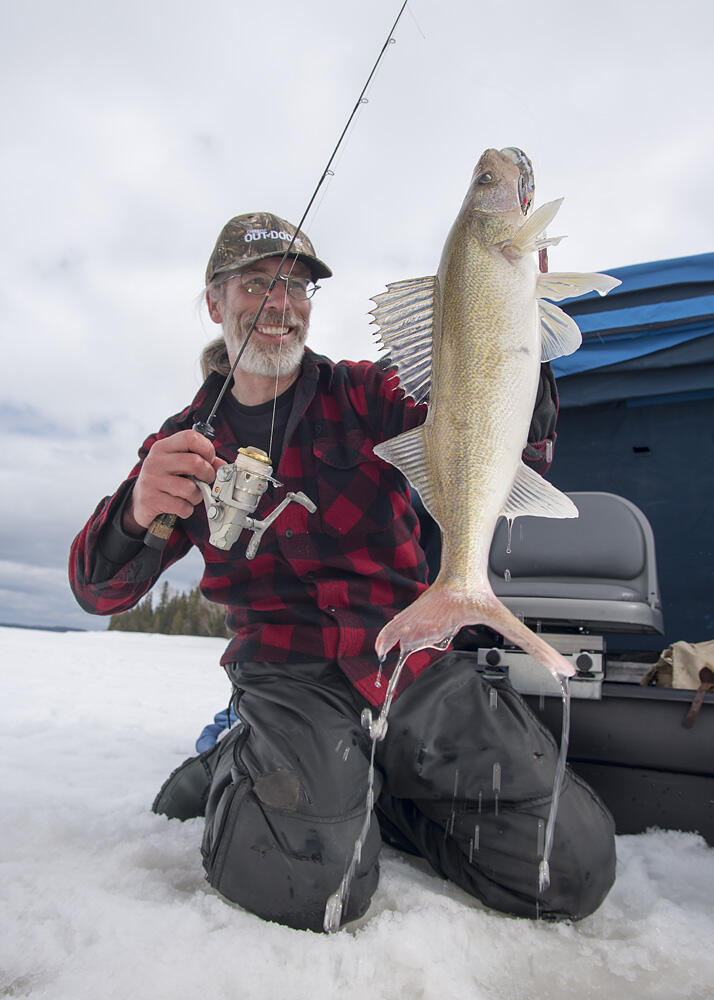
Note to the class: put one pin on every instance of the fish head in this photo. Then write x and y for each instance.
(502, 182)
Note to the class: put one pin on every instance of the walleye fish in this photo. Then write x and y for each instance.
(472, 339)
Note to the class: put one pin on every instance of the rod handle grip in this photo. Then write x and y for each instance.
(159, 531)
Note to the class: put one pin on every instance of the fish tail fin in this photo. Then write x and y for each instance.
(438, 614)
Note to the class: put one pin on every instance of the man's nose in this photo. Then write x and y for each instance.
(279, 293)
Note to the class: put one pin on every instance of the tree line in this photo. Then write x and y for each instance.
(175, 613)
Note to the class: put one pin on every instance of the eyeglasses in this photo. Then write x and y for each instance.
(258, 284)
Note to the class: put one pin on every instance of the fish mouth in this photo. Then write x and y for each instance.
(526, 181)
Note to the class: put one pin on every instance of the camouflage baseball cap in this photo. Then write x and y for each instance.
(247, 238)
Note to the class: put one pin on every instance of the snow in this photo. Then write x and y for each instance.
(103, 899)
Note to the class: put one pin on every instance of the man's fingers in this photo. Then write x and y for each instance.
(186, 453)
(180, 463)
(187, 441)
(149, 501)
(165, 484)
(176, 486)
(170, 503)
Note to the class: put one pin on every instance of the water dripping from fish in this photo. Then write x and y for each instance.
(496, 786)
(377, 729)
(544, 866)
(510, 535)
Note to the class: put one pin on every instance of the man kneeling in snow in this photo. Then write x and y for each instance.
(284, 791)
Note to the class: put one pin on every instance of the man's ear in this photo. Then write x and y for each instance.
(214, 308)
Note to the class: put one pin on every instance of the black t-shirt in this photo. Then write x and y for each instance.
(255, 427)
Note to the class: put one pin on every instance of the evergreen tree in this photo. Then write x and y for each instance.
(162, 614)
(175, 614)
(192, 624)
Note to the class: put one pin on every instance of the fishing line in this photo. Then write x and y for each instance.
(331, 173)
(277, 366)
(389, 40)
(348, 134)
(275, 393)
(418, 26)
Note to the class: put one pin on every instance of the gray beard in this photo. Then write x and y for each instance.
(260, 358)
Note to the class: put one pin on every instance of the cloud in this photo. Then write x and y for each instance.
(134, 132)
(39, 595)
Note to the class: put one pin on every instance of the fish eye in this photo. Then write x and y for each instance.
(484, 178)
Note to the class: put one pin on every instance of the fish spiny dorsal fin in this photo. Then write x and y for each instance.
(405, 317)
(560, 334)
(529, 236)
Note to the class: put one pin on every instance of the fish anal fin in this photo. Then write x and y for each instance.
(535, 496)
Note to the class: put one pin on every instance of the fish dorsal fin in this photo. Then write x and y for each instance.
(407, 452)
(531, 494)
(529, 236)
(560, 334)
(405, 317)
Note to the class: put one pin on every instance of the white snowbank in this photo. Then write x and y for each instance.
(102, 899)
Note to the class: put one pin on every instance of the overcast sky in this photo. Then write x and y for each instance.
(133, 131)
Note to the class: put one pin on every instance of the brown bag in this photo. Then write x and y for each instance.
(680, 664)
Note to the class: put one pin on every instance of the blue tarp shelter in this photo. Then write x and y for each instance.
(637, 418)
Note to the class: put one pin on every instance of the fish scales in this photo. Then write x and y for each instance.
(488, 360)
(487, 330)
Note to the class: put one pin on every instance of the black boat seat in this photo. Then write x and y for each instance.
(597, 571)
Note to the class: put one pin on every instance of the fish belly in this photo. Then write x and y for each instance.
(483, 393)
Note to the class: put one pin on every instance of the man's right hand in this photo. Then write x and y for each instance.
(163, 486)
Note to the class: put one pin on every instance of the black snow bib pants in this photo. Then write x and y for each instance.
(463, 778)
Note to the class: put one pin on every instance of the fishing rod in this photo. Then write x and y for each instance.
(159, 531)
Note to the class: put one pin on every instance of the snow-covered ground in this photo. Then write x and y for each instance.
(102, 899)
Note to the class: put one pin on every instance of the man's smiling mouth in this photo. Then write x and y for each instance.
(273, 331)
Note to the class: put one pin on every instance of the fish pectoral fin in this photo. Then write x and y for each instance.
(533, 495)
(407, 452)
(529, 236)
(560, 334)
(563, 285)
(405, 317)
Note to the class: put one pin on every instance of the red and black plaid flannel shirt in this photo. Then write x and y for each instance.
(322, 585)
